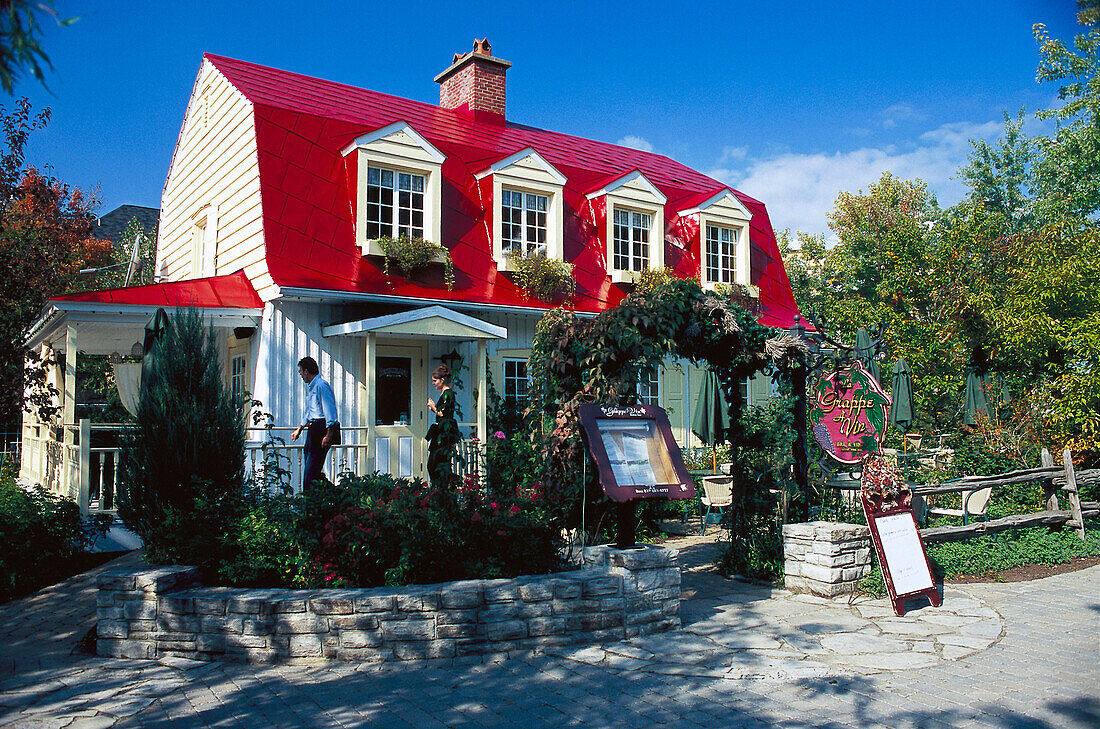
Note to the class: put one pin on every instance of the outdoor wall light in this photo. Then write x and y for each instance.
(452, 359)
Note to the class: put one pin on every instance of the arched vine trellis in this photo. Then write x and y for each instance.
(575, 360)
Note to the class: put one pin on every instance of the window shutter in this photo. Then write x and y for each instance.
(672, 397)
(760, 389)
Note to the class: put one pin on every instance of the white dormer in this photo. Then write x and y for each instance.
(528, 211)
(723, 239)
(635, 225)
(399, 190)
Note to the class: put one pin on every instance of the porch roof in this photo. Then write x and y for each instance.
(112, 320)
(232, 291)
(430, 321)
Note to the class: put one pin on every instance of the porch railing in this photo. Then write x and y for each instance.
(64, 459)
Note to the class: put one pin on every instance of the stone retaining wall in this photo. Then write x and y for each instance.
(162, 612)
(825, 558)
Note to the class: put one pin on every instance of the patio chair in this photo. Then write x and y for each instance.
(717, 495)
(974, 504)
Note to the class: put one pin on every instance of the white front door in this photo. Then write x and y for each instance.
(400, 393)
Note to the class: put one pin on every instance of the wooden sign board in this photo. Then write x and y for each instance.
(635, 452)
(905, 566)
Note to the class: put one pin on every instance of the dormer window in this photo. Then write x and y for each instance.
(723, 232)
(635, 226)
(523, 219)
(399, 186)
(721, 255)
(527, 207)
(631, 240)
(395, 203)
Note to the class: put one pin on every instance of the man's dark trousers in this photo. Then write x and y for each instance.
(315, 452)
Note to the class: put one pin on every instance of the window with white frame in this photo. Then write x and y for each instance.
(631, 240)
(528, 216)
(238, 376)
(198, 247)
(395, 203)
(399, 186)
(721, 256)
(516, 382)
(523, 222)
(649, 386)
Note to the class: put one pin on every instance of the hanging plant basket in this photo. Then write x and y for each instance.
(411, 255)
(546, 279)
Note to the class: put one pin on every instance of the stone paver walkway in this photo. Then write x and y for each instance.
(998, 655)
(736, 630)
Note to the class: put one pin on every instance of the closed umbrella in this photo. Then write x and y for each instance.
(866, 355)
(712, 415)
(155, 328)
(901, 392)
(976, 401)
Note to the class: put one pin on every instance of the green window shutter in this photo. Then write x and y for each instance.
(760, 389)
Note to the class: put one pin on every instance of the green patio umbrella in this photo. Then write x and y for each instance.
(976, 401)
(712, 415)
(154, 330)
(866, 355)
(901, 392)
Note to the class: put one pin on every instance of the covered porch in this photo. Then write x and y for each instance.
(397, 365)
(76, 457)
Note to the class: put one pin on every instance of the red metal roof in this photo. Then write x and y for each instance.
(233, 291)
(308, 194)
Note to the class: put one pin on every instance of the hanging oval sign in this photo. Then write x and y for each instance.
(849, 413)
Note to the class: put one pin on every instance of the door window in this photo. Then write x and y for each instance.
(394, 390)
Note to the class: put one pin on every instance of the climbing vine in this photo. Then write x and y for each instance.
(576, 360)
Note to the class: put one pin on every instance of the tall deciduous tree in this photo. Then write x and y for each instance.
(45, 238)
(1068, 173)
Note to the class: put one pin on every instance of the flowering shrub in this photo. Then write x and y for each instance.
(375, 530)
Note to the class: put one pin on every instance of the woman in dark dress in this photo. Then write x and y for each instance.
(443, 436)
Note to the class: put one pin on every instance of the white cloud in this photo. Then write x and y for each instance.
(800, 188)
(635, 142)
(894, 115)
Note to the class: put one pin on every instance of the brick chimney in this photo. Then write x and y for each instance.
(475, 84)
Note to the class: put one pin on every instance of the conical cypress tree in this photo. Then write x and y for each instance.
(181, 471)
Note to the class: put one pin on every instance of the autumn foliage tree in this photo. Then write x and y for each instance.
(45, 238)
(1006, 277)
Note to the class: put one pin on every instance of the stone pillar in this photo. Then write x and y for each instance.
(825, 558)
(651, 584)
(134, 617)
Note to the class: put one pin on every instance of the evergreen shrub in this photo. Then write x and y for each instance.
(181, 469)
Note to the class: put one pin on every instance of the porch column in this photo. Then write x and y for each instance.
(68, 404)
(370, 404)
(482, 393)
(68, 414)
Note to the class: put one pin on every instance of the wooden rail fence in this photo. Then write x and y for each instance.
(1056, 481)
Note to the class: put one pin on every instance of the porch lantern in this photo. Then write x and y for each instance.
(452, 359)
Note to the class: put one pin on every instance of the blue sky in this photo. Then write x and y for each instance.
(789, 102)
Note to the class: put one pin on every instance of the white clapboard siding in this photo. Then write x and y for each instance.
(215, 169)
(290, 331)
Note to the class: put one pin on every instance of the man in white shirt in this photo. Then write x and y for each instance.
(318, 420)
